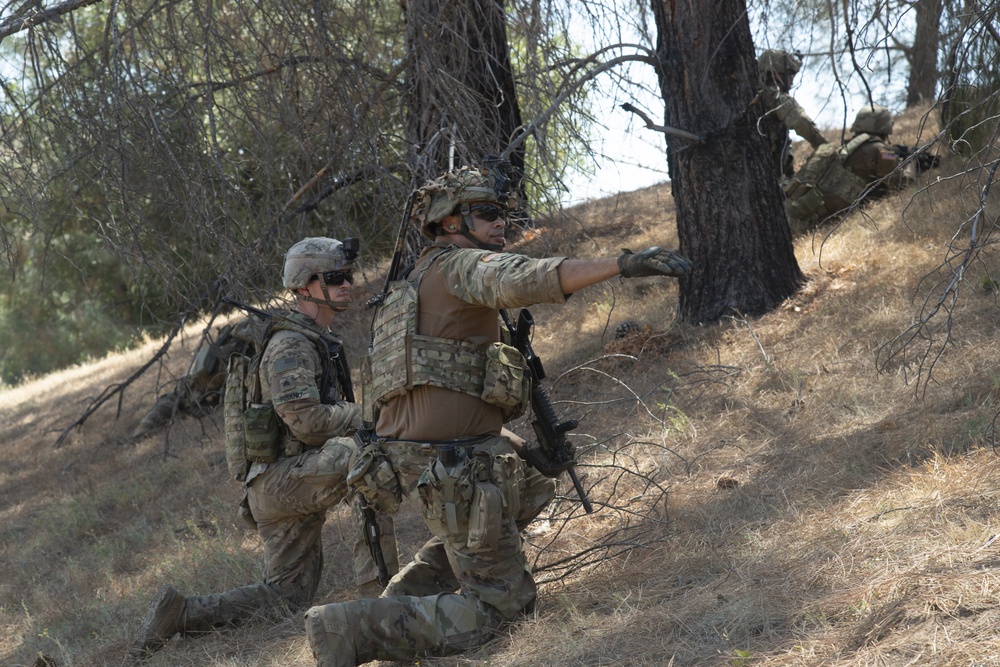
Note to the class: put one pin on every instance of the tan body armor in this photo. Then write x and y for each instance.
(487, 370)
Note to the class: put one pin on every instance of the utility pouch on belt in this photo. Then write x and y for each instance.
(261, 433)
(506, 383)
(372, 474)
(485, 516)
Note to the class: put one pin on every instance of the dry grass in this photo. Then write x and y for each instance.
(764, 496)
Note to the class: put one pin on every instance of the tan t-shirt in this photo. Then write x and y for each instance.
(460, 297)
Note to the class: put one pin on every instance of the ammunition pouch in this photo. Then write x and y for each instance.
(471, 491)
(261, 433)
(372, 474)
(804, 201)
(506, 383)
(496, 373)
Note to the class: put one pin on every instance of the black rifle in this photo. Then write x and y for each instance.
(924, 159)
(557, 453)
(372, 532)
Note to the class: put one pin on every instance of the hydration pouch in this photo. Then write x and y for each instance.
(485, 516)
(506, 383)
(233, 401)
(372, 474)
(261, 433)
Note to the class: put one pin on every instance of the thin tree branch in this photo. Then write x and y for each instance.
(15, 24)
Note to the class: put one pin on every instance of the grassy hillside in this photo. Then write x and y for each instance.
(764, 495)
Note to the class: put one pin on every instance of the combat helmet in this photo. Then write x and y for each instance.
(782, 65)
(873, 119)
(313, 257)
(443, 196)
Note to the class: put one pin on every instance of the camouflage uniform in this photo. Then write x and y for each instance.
(448, 447)
(836, 178)
(781, 112)
(287, 499)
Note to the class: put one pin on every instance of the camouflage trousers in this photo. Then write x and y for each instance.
(473, 502)
(289, 503)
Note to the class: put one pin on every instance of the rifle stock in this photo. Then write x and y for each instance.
(559, 453)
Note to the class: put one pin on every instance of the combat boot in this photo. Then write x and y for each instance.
(163, 620)
(331, 636)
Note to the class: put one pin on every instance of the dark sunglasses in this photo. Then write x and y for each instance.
(336, 278)
(488, 212)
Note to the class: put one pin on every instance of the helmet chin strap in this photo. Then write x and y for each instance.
(467, 233)
(328, 302)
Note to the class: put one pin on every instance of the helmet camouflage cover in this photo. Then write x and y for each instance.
(780, 63)
(439, 197)
(312, 256)
(873, 119)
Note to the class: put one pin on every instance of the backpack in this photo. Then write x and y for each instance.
(242, 393)
(253, 430)
(824, 185)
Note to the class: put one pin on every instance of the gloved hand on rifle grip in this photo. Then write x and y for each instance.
(538, 459)
(655, 261)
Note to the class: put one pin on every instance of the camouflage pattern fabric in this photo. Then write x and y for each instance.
(495, 585)
(471, 496)
(288, 499)
(502, 279)
(430, 572)
(289, 502)
(781, 113)
(832, 180)
(291, 371)
(365, 568)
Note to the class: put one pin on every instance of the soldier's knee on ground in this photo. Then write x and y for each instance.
(331, 636)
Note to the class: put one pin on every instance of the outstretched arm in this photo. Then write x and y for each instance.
(575, 274)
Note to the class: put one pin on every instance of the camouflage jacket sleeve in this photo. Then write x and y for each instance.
(291, 371)
(793, 115)
(502, 279)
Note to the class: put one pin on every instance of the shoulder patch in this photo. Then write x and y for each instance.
(285, 364)
(490, 257)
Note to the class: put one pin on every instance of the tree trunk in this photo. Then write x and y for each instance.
(924, 53)
(730, 211)
(461, 100)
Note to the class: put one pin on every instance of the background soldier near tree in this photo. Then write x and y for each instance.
(295, 470)
(442, 384)
(835, 178)
(777, 70)
(201, 387)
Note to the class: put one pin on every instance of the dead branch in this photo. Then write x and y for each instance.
(665, 129)
(118, 389)
(922, 332)
(33, 16)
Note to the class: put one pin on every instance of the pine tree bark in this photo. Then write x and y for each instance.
(924, 53)
(461, 101)
(730, 211)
